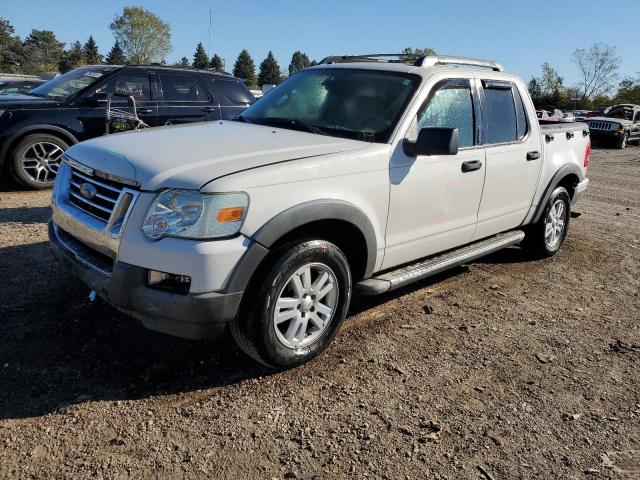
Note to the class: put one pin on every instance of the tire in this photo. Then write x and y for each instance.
(622, 143)
(539, 241)
(285, 343)
(35, 160)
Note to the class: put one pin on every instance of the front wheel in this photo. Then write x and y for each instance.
(544, 238)
(293, 314)
(36, 159)
(622, 143)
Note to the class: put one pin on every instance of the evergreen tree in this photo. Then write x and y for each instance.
(245, 69)
(184, 63)
(43, 52)
(313, 63)
(269, 71)
(12, 52)
(216, 63)
(200, 58)
(299, 61)
(91, 54)
(72, 58)
(116, 55)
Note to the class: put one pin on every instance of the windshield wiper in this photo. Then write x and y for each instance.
(292, 122)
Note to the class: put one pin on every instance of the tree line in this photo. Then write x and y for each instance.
(599, 84)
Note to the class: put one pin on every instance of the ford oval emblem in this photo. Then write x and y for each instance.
(88, 190)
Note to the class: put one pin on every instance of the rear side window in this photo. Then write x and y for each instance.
(521, 115)
(450, 107)
(499, 120)
(181, 88)
(234, 90)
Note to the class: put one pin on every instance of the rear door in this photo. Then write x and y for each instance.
(513, 157)
(183, 99)
(434, 199)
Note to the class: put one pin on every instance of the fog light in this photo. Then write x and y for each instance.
(169, 282)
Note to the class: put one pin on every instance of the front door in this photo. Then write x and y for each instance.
(513, 158)
(184, 100)
(135, 83)
(434, 199)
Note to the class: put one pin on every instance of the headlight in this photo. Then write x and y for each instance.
(191, 214)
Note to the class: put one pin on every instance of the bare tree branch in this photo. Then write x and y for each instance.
(599, 69)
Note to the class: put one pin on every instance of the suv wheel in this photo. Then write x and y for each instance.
(297, 310)
(622, 143)
(36, 159)
(545, 237)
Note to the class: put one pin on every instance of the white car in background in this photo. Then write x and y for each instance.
(358, 174)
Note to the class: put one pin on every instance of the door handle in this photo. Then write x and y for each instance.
(535, 155)
(471, 166)
(145, 110)
(209, 109)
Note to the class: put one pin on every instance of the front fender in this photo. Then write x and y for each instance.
(312, 211)
(18, 132)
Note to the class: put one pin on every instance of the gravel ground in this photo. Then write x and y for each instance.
(506, 369)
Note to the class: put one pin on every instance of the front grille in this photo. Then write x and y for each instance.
(102, 203)
(601, 126)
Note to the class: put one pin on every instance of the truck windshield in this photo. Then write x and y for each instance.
(62, 87)
(623, 113)
(351, 103)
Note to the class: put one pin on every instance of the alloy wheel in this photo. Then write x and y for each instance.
(306, 305)
(40, 161)
(554, 224)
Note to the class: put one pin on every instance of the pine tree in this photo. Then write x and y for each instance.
(200, 58)
(299, 61)
(116, 55)
(72, 58)
(245, 69)
(184, 63)
(91, 54)
(269, 71)
(216, 63)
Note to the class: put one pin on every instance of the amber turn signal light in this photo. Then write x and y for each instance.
(230, 214)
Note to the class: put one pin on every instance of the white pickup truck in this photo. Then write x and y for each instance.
(361, 173)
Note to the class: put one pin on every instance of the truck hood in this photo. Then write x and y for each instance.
(621, 121)
(189, 156)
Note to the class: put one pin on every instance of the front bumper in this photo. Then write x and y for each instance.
(194, 315)
(580, 190)
(606, 135)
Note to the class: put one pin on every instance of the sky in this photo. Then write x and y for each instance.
(516, 33)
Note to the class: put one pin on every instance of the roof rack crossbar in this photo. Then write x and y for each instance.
(433, 60)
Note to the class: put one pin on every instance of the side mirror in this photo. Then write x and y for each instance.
(433, 141)
(98, 98)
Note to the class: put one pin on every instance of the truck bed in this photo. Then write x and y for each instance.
(561, 127)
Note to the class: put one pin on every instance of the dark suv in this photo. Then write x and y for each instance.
(36, 128)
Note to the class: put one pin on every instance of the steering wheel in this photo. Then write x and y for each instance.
(376, 124)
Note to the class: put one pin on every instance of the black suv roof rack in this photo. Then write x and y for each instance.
(416, 60)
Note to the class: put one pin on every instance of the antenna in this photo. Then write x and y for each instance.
(210, 23)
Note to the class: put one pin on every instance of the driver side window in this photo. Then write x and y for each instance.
(451, 107)
(128, 84)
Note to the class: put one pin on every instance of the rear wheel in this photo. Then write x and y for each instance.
(544, 238)
(36, 159)
(294, 313)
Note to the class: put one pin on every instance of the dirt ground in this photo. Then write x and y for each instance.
(524, 369)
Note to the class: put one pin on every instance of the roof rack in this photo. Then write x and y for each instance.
(373, 57)
(433, 60)
(416, 60)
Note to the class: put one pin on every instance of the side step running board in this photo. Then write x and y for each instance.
(417, 271)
